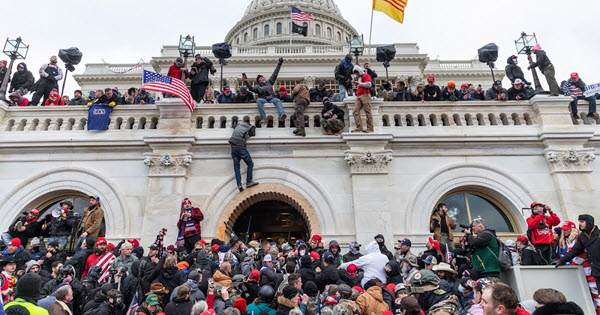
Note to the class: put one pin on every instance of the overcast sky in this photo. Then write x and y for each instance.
(123, 31)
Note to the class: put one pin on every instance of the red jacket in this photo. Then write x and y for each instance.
(362, 90)
(197, 216)
(540, 227)
(91, 260)
(175, 72)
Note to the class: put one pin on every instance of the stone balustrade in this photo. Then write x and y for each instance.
(390, 117)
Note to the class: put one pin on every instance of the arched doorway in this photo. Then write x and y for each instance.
(271, 220)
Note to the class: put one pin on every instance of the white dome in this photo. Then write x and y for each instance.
(267, 22)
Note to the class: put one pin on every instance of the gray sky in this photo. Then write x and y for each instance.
(123, 31)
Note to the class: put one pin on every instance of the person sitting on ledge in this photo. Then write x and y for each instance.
(226, 97)
(284, 96)
(574, 87)
(144, 98)
(318, 93)
(264, 89)
(333, 118)
(244, 97)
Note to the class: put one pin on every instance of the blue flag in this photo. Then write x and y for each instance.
(99, 117)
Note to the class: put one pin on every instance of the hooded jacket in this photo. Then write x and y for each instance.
(265, 90)
(334, 109)
(241, 133)
(177, 307)
(393, 271)
(20, 100)
(22, 78)
(202, 70)
(343, 73)
(450, 96)
(492, 94)
(541, 61)
(21, 257)
(170, 277)
(307, 273)
(383, 248)
(539, 228)
(513, 71)
(59, 101)
(559, 308)
(372, 302)
(373, 264)
(175, 71)
(587, 241)
(337, 258)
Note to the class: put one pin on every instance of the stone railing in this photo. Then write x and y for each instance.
(111, 69)
(392, 117)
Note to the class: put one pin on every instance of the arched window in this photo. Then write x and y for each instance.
(255, 33)
(237, 41)
(318, 30)
(339, 36)
(329, 33)
(468, 205)
(279, 28)
(266, 30)
(245, 37)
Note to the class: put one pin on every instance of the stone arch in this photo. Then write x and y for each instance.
(284, 183)
(494, 182)
(47, 184)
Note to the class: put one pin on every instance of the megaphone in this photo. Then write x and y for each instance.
(56, 212)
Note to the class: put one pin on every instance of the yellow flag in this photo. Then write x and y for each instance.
(393, 8)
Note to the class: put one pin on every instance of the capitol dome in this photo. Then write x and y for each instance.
(268, 22)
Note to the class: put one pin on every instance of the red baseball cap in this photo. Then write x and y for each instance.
(110, 246)
(574, 75)
(15, 242)
(35, 212)
(215, 247)
(351, 268)
(203, 242)
(254, 275)
(464, 85)
(535, 203)
(430, 79)
(101, 240)
(317, 238)
(567, 225)
(315, 255)
(522, 239)
(359, 289)
(134, 243)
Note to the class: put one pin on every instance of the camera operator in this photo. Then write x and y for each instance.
(113, 303)
(485, 249)
(540, 231)
(26, 226)
(441, 225)
(65, 275)
(59, 228)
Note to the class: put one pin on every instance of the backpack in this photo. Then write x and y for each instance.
(92, 311)
(247, 267)
(504, 256)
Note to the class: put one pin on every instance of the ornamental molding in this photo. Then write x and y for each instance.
(571, 161)
(368, 162)
(168, 165)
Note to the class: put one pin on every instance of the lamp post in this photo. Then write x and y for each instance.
(524, 45)
(14, 49)
(357, 46)
(186, 49)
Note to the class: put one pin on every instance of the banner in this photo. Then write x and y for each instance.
(136, 66)
(302, 30)
(99, 117)
(592, 90)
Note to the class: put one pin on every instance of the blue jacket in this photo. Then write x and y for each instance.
(257, 308)
(224, 99)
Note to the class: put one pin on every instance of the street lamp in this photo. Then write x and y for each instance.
(14, 49)
(524, 45)
(357, 46)
(186, 49)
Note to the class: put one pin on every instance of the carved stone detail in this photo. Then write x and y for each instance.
(368, 162)
(572, 160)
(168, 165)
(310, 81)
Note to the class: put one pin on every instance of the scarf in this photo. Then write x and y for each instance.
(181, 233)
(346, 63)
(12, 280)
(352, 249)
(29, 222)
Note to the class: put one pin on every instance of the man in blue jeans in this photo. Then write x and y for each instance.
(265, 93)
(238, 139)
(343, 76)
(575, 87)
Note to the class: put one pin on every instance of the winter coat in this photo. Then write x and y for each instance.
(450, 96)
(147, 100)
(343, 75)
(197, 217)
(265, 90)
(467, 96)
(388, 295)
(170, 277)
(21, 257)
(430, 91)
(513, 93)
(351, 257)
(21, 79)
(372, 302)
(224, 99)
(317, 95)
(567, 86)
(269, 276)
(541, 61)
(417, 97)
(241, 133)
(300, 91)
(539, 228)
(586, 242)
(58, 255)
(492, 94)
(334, 109)
(559, 308)
(77, 101)
(195, 293)
(202, 69)
(373, 264)
(485, 252)
(285, 306)
(60, 227)
(92, 220)
(239, 99)
(32, 229)
(120, 262)
(179, 307)
(59, 101)
(307, 273)
(175, 72)
(219, 305)
(428, 299)
(348, 279)
(513, 71)
(259, 308)
(95, 303)
(394, 274)
(21, 101)
(222, 279)
(58, 308)
(435, 226)
(329, 275)
(479, 96)
(402, 96)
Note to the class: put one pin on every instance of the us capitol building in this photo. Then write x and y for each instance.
(487, 159)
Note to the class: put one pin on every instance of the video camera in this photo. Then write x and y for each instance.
(466, 226)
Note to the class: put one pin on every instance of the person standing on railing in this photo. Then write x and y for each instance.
(373, 75)
(50, 74)
(302, 100)
(363, 99)
(432, 91)
(543, 63)
(199, 76)
(264, 89)
(343, 75)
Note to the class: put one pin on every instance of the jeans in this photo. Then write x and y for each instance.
(591, 100)
(343, 92)
(79, 242)
(240, 153)
(6, 238)
(261, 106)
(62, 241)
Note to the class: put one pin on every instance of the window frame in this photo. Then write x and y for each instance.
(279, 28)
(266, 30)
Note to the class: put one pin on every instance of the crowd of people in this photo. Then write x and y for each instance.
(198, 276)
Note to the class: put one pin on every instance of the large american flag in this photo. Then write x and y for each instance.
(104, 262)
(162, 83)
(299, 15)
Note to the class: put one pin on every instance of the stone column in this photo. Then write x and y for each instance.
(369, 166)
(349, 103)
(570, 163)
(168, 163)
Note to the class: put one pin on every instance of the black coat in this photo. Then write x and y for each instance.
(22, 79)
(307, 274)
(402, 96)
(58, 255)
(450, 96)
(21, 257)
(317, 95)
(513, 71)
(328, 275)
(31, 230)
(95, 303)
(334, 109)
(492, 94)
(590, 243)
(513, 93)
(79, 260)
(559, 308)
(343, 75)
(240, 99)
(270, 277)
(541, 61)
(202, 70)
(430, 91)
(59, 226)
(344, 276)
(178, 307)
(170, 277)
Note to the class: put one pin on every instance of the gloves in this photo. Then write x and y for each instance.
(555, 263)
(89, 104)
(63, 216)
(280, 60)
(112, 104)
(436, 223)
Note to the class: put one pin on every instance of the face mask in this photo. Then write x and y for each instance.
(302, 252)
(461, 289)
(516, 61)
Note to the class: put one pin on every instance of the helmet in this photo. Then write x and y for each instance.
(266, 293)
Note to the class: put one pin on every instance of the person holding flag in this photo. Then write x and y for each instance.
(102, 258)
(161, 83)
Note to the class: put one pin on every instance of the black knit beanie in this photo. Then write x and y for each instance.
(310, 289)
(29, 287)
(289, 292)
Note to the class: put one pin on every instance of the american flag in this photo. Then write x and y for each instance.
(299, 15)
(162, 83)
(104, 262)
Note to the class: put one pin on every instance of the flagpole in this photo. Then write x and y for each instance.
(371, 30)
